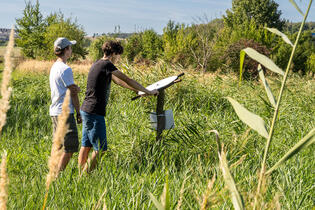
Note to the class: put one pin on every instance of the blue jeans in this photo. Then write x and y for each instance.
(93, 131)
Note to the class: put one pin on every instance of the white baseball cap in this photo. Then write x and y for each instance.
(62, 43)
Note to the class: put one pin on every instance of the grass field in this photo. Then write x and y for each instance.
(136, 164)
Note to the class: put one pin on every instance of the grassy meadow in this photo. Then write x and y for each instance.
(135, 164)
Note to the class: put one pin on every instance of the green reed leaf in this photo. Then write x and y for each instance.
(242, 57)
(229, 182)
(267, 88)
(264, 60)
(303, 143)
(167, 204)
(249, 118)
(279, 33)
(165, 198)
(156, 203)
(296, 7)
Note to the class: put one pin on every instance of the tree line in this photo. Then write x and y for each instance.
(205, 46)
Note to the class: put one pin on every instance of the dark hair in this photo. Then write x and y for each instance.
(60, 52)
(112, 47)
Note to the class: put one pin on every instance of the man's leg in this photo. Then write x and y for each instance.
(83, 156)
(65, 158)
(96, 156)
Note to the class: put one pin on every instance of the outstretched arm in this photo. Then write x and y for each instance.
(122, 83)
(132, 83)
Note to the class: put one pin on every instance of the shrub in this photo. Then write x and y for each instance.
(304, 50)
(228, 37)
(146, 45)
(133, 47)
(95, 49)
(311, 64)
(151, 45)
(231, 57)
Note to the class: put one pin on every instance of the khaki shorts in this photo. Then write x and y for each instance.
(71, 143)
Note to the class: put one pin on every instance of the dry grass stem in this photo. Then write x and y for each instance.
(97, 206)
(163, 195)
(4, 183)
(180, 201)
(43, 67)
(58, 140)
(56, 149)
(206, 195)
(239, 161)
(5, 89)
(104, 206)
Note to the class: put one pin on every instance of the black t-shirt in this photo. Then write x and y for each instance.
(98, 87)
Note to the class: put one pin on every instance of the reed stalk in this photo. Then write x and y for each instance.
(276, 112)
(3, 183)
(57, 146)
(6, 78)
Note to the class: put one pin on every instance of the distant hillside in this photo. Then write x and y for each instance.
(294, 27)
(116, 35)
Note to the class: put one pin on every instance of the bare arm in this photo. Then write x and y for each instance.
(74, 90)
(132, 83)
(122, 83)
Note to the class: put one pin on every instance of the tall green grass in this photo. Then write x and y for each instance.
(136, 164)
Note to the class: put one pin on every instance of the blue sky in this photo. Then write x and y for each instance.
(98, 16)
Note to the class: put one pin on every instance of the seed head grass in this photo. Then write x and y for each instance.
(43, 67)
(205, 203)
(4, 180)
(57, 146)
(6, 78)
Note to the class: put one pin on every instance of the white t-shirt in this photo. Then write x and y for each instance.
(60, 78)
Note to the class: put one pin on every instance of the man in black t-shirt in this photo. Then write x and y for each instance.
(93, 108)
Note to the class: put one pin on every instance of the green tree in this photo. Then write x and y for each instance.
(65, 28)
(263, 12)
(169, 39)
(133, 47)
(37, 34)
(31, 28)
(151, 44)
(144, 45)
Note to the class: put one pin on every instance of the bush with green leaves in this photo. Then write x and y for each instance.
(133, 47)
(311, 64)
(232, 61)
(145, 45)
(229, 38)
(304, 50)
(95, 49)
(152, 45)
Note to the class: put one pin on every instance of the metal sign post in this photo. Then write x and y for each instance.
(160, 113)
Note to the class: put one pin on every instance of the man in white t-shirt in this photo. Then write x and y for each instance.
(61, 79)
